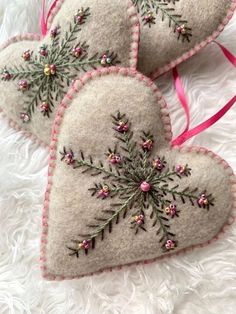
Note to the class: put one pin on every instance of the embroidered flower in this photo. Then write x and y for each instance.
(104, 192)
(6, 76)
(158, 164)
(85, 245)
(122, 127)
(54, 32)
(80, 16)
(114, 159)
(24, 117)
(77, 51)
(44, 108)
(170, 245)
(203, 200)
(106, 60)
(26, 55)
(171, 210)
(147, 145)
(68, 157)
(139, 219)
(183, 170)
(43, 51)
(23, 85)
(149, 18)
(181, 29)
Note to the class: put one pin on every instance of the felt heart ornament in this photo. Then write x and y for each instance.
(118, 193)
(36, 73)
(174, 30)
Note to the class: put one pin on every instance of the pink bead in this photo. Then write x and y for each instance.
(23, 85)
(145, 187)
(53, 69)
(25, 117)
(54, 32)
(77, 52)
(148, 145)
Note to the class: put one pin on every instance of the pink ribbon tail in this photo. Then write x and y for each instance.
(181, 96)
(187, 134)
(43, 20)
(203, 126)
(227, 54)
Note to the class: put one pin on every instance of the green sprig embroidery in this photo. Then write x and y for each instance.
(45, 76)
(138, 183)
(151, 9)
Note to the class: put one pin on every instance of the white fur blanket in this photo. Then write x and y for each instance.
(201, 282)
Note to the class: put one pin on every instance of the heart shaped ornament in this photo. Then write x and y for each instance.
(118, 193)
(174, 30)
(36, 73)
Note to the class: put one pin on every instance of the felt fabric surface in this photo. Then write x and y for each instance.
(69, 207)
(202, 281)
(117, 33)
(160, 50)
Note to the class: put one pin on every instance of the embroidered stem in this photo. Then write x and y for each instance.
(46, 74)
(79, 64)
(69, 38)
(172, 191)
(166, 175)
(149, 9)
(136, 184)
(108, 222)
(160, 218)
(35, 98)
(100, 170)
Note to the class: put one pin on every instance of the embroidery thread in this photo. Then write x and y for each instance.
(139, 183)
(151, 9)
(44, 76)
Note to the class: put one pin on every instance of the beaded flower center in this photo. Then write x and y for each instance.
(49, 69)
(138, 184)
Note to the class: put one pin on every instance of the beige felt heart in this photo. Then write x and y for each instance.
(36, 73)
(177, 29)
(174, 30)
(118, 193)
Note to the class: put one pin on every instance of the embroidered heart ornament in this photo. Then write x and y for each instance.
(118, 193)
(36, 73)
(174, 30)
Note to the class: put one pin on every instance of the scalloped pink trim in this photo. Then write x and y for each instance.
(156, 73)
(135, 27)
(21, 37)
(75, 89)
(12, 123)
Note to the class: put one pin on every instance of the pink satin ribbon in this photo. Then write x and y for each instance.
(187, 134)
(227, 54)
(206, 124)
(43, 20)
(182, 97)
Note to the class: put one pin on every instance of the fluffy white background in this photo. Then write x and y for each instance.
(201, 282)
